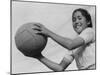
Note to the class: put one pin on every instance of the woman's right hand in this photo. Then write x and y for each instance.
(41, 29)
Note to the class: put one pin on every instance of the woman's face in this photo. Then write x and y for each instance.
(79, 22)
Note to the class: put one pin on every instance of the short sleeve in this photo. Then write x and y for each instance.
(87, 35)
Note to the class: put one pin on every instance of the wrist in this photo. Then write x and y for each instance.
(49, 33)
(40, 57)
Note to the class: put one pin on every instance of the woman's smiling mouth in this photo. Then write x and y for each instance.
(78, 25)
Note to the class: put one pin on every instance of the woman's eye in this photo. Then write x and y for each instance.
(80, 18)
(74, 19)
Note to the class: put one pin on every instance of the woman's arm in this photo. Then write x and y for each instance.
(54, 66)
(67, 42)
(63, 41)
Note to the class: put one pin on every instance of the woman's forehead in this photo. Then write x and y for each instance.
(77, 13)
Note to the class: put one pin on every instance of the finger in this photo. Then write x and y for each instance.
(38, 29)
(38, 25)
(38, 33)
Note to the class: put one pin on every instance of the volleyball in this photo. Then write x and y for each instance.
(28, 42)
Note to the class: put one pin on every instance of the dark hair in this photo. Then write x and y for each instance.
(85, 14)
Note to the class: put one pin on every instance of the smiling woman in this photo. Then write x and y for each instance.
(84, 55)
(65, 47)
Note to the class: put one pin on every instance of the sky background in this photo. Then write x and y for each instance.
(56, 17)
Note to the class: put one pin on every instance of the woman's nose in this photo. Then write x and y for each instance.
(77, 21)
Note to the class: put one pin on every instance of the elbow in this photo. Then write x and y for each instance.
(70, 46)
(60, 69)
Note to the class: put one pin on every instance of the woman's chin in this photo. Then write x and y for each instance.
(78, 31)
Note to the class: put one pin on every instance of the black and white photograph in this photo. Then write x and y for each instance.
(52, 37)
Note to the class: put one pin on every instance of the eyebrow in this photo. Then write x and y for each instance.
(79, 16)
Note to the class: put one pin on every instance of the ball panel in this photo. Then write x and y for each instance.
(22, 37)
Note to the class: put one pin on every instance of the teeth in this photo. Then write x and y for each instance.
(78, 26)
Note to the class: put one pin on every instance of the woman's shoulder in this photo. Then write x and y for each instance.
(88, 30)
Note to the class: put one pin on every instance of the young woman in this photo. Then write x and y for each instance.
(83, 46)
